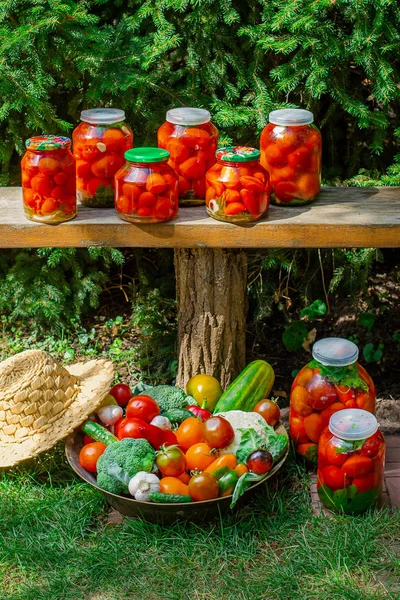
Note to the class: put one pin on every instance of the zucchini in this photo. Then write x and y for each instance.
(177, 415)
(252, 385)
(168, 498)
(98, 433)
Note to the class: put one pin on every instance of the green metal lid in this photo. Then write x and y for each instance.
(237, 154)
(146, 155)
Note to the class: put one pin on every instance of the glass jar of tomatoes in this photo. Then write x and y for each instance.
(146, 187)
(351, 461)
(237, 186)
(191, 139)
(48, 179)
(331, 382)
(99, 144)
(291, 152)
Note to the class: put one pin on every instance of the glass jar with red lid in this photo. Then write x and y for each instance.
(237, 186)
(191, 139)
(291, 151)
(48, 179)
(146, 187)
(351, 462)
(329, 383)
(99, 144)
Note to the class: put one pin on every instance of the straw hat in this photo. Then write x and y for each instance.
(41, 402)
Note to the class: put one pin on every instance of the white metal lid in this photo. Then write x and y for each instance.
(101, 116)
(188, 116)
(291, 116)
(353, 424)
(335, 352)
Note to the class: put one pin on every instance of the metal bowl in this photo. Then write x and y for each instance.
(164, 513)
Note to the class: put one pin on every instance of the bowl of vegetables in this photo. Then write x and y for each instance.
(158, 453)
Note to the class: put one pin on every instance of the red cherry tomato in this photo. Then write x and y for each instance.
(334, 457)
(218, 432)
(334, 478)
(171, 461)
(137, 428)
(260, 462)
(269, 411)
(142, 407)
(372, 445)
(321, 393)
(121, 393)
(90, 454)
(203, 487)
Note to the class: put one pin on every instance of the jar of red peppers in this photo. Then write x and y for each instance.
(48, 179)
(291, 152)
(331, 382)
(191, 139)
(146, 187)
(99, 144)
(351, 461)
(237, 186)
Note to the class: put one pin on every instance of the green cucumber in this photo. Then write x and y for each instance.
(98, 433)
(253, 384)
(168, 498)
(177, 415)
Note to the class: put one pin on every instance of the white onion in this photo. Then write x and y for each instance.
(111, 414)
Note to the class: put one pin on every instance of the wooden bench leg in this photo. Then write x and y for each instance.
(212, 304)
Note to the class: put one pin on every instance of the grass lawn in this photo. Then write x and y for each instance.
(55, 544)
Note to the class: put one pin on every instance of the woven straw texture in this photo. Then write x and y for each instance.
(41, 402)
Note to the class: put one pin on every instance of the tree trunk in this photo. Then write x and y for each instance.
(212, 303)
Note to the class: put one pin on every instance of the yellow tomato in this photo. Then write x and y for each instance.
(204, 388)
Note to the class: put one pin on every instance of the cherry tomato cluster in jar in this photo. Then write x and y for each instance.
(351, 459)
(146, 187)
(291, 152)
(99, 144)
(191, 140)
(48, 179)
(319, 390)
(237, 186)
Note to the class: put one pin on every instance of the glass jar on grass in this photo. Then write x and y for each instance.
(237, 186)
(331, 382)
(351, 462)
(291, 150)
(48, 179)
(191, 139)
(99, 144)
(146, 187)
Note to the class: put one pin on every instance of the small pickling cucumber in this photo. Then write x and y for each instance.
(177, 415)
(98, 433)
(161, 498)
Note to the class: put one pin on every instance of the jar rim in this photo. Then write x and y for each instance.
(291, 117)
(187, 115)
(103, 116)
(335, 352)
(353, 424)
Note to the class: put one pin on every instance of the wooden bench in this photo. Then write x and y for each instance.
(211, 267)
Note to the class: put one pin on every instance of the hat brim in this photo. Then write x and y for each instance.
(95, 378)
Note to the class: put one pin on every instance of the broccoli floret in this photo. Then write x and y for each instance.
(169, 396)
(121, 461)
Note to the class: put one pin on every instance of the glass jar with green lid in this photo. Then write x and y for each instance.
(146, 187)
(237, 186)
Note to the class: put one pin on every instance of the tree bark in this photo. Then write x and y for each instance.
(212, 304)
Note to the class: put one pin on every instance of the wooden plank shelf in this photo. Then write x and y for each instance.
(341, 217)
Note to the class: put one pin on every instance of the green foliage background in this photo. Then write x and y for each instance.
(339, 58)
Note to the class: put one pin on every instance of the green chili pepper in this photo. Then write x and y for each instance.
(227, 483)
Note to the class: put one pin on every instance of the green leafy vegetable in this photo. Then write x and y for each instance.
(243, 484)
(348, 377)
(316, 309)
(294, 336)
(250, 441)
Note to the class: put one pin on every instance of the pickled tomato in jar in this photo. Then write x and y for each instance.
(146, 187)
(191, 140)
(291, 150)
(99, 144)
(48, 179)
(331, 382)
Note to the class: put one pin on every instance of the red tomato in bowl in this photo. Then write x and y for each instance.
(121, 393)
(142, 407)
(90, 454)
(269, 411)
(218, 432)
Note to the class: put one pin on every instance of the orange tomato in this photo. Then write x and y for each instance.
(297, 430)
(304, 376)
(155, 183)
(287, 141)
(131, 191)
(274, 156)
(49, 206)
(90, 454)
(231, 196)
(147, 199)
(252, 183)
(328, 412)
(48, 165)
(308, 450)
(199, 457)
(178, 151)
(357, 466)
(29, 199)
(213, 180)
(226, 460)
(210, 194)
(173, 485)
(114, 139)
(284, 174)
(190, 432)
(314, 425)
(230, 178)
(107, 166)
(193, 168)
(241, 469)
(124, 205)
(234, 208)
(300, 402)
(365, 401)
(309, 185)
(185, 478)
(196, 138)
